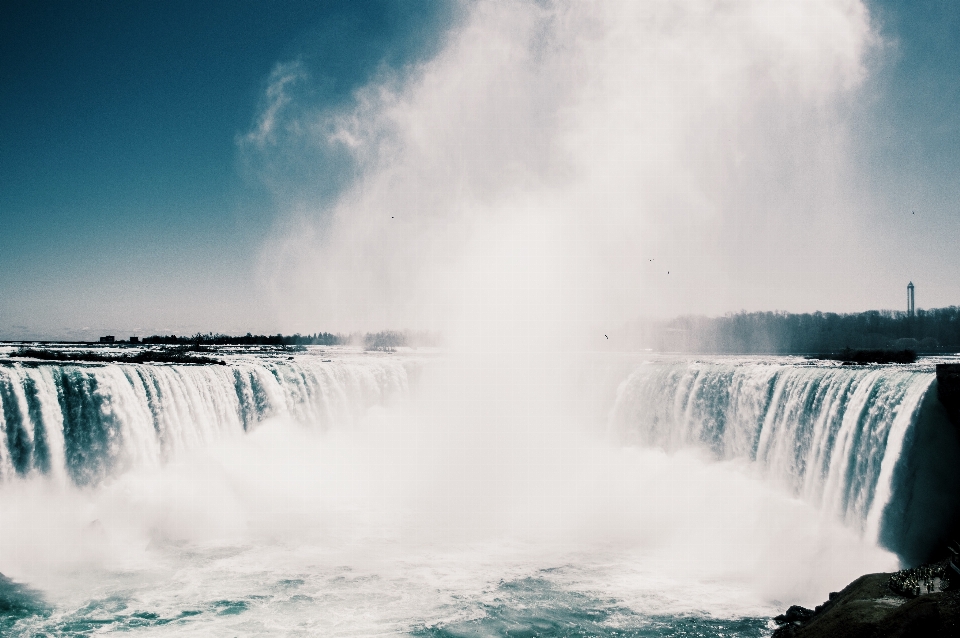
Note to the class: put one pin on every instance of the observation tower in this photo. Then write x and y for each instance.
(911, 309)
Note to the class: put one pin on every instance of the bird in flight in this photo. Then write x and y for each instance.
(606, 336)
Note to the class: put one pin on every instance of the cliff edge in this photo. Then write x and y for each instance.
(948, 389)
(881, 606)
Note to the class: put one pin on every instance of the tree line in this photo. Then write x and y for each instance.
(371, 340)
(217, 339)
(928, 332)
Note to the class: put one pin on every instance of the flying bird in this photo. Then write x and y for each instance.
(606, 336)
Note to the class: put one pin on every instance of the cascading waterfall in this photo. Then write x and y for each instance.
(866, 444)
(855, 441)
(85, 422)
(420, 494)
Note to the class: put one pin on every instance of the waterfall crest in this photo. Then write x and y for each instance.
(84, 423)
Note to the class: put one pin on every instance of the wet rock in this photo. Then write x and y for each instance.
(869, 608)
(948, 389)
(794, 614)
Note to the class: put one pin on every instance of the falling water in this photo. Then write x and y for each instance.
(87, 422)
(839, 437)
(360, 493)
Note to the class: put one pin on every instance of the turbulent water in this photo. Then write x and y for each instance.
(336, 492)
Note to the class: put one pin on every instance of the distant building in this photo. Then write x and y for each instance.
(134, 339)
(911, 309)
(108, 339)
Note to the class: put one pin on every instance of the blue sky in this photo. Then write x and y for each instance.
(129, 203)
(118, 123)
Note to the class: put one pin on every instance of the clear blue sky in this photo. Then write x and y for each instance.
(127, 205)
(121, 183)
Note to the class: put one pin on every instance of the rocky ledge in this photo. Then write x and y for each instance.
(916, 602)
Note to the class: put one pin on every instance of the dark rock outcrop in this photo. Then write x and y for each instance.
(869, 608)
(948, 389)
(794, 614)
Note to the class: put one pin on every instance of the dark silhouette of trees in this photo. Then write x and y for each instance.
(928, 332)
(211, 339)
(385, 341)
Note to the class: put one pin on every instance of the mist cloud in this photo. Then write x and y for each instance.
(550, 165)
(276, 97)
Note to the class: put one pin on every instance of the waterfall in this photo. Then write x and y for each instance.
(869, 445)
(86, 422)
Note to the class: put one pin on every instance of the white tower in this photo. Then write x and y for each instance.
(911, 309)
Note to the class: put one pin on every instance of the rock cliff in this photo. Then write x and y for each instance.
(871, 607)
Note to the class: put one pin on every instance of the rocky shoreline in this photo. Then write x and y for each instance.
(915, 602)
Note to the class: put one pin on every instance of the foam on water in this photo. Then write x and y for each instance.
(434, 501)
